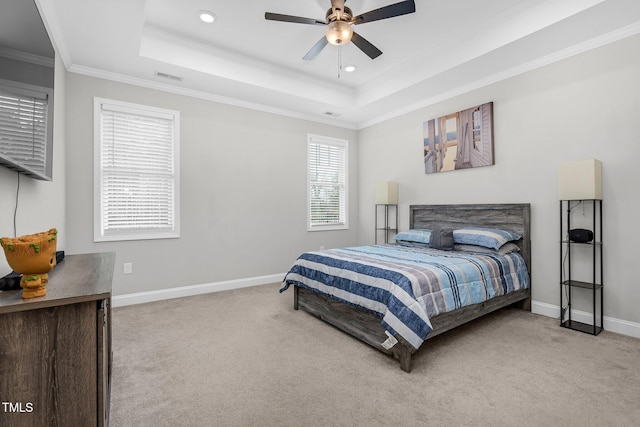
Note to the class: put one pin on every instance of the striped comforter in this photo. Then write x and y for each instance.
(407, 285)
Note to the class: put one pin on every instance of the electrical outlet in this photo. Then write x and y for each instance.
(128, 268)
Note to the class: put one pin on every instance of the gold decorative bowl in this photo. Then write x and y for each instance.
(32, 255)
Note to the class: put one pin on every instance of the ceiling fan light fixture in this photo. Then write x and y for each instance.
(339, 33)
(206, 16)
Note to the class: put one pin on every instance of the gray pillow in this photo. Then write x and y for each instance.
(441, 238)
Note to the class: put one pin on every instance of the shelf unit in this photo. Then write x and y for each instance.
(386, 228)
(567, 282)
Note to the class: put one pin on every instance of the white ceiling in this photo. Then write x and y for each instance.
(446, 47)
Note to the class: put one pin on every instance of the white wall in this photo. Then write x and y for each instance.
(243, 191)
(587, 106)
(41, 204)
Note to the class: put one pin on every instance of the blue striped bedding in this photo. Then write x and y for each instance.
(408, 285)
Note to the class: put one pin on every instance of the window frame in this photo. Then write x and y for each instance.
(344, 145)
(101, 235)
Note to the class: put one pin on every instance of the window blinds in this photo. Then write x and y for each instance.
(138, 176)
(327, 182)
(23, 131)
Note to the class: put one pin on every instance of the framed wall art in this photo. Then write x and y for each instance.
(459, 140)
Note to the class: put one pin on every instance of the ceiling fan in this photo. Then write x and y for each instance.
(339, 20)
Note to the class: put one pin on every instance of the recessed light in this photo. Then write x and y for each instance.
(206, 16)
(350, 68)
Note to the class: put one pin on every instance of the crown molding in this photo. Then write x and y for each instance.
(27, 57)
(594, 43)
(150, 84)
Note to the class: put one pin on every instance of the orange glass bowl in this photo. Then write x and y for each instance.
(32, 255)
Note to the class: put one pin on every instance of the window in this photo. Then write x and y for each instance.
(328, 160)
(25, 129)
(136, 171)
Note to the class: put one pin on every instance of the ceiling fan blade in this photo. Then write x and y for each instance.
(289, 18)
(316, 49)
(397, 9)
(370, 50)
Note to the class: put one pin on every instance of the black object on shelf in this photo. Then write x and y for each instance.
(592, 241)
(59, 257)
(580, 235)
(10, 282)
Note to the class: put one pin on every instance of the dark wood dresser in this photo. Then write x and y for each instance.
(55, 351)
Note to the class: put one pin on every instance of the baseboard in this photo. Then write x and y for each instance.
(186, 291)
(611, 324)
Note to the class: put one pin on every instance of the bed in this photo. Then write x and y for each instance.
(395, 296)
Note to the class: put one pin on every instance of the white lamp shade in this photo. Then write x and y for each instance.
(386, 193)
(581, 180)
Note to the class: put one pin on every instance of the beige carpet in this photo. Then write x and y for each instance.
(246, 358)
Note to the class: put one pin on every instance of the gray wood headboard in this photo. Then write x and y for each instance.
(512, 217)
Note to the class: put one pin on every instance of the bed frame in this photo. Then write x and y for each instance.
(365, 326)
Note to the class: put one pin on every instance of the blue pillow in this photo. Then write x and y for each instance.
(417, 236)
(488, 237)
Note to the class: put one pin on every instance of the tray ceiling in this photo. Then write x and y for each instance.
(443, 49)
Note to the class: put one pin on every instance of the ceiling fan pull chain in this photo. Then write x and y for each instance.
(339, 60)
